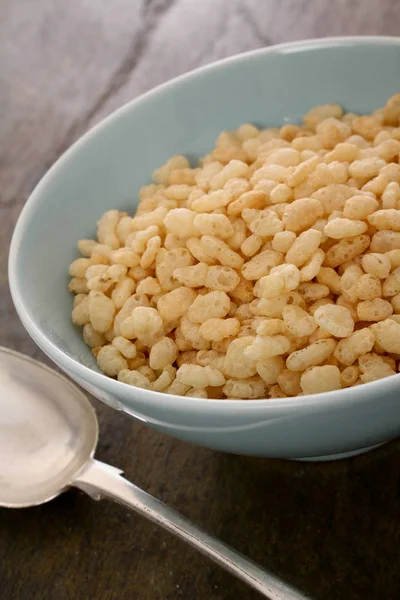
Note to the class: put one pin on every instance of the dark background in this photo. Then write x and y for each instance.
(332, 529)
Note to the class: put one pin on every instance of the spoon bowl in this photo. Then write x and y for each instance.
(48, 431)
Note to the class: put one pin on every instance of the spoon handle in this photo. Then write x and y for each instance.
(100, 480)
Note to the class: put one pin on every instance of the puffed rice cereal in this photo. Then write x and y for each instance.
(270, 269)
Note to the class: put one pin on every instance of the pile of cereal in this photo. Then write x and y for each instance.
(270, 270)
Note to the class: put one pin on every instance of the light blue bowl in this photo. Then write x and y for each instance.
(106, 168)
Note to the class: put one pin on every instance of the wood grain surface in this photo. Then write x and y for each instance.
(332, 529)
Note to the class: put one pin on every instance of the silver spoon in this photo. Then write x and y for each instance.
(48, 435)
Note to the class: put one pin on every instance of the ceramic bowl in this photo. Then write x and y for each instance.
(106, 168)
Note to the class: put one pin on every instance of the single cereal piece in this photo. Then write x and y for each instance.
(237, 363)
(261, 264)
(244, 388)
(391, 195)
(267, 224)
(313, 291)
(86, 247)
(395, 302)
(343, 152)
(376, 264)
(92, 338)
(276, 392)
(122, 291)
(269, 326)
(167, 262)
(106, 229)
(281, 194)
(269, 369)
(275, 173)
(134, 377)
(79, 267)
(251, 245)
(163, 353)
(348, 282)
(366, 168)
(210, 358)
(346, 250)
(289, 382)
(394, 258)
(78, 285)
(290, 275)
(149, 286)
(191, 333)
(304, 247)
(111, 361)
(267, 347)
(221, 278)
(215, 304)
(180, 221)
(193, 276)
(200, 377)
(391, 285)
(127, 308)
(392, 111)
(360, 342)
(385, 241)
(213, 224)
(283, 241)
(302, 171)
(359, 207)
(124, 346)
(163, 381)
(189, 357)
(298, 322)
(312, 267)
(387, 335)
(374, 310)
(176, 303)
(337, 320)
(311, 355)
(250, 199)
(373, 367)
(385, 219)
(368, 287)
(101, 311)
(343, 228)
(146, 321)
(302, 214)
(333, 197)
(215, 330)
(197, 393)
(318, 380)
(321, 112)
(177, 388)
(196, 250)
(235, 168)
(366, 126)
(162, 175)
(137, 241)
(329, 277)
(269, 286)
(349, 375)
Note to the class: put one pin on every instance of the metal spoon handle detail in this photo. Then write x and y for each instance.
(100, 480)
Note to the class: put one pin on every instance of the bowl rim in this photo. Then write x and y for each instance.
(332, 400)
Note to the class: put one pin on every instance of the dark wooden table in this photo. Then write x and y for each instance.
(332, 529)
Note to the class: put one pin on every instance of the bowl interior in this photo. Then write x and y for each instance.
(107, 167)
